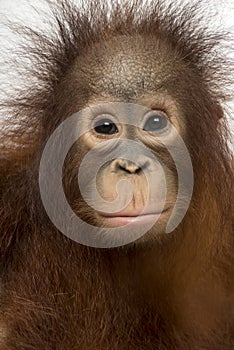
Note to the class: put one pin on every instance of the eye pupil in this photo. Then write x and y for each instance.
(106, 127)
(155, 122)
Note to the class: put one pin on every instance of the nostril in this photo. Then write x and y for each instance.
(128, 166)
(138, 170)
(130, 170)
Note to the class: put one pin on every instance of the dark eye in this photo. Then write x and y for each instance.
(155, 122)
(105, 126)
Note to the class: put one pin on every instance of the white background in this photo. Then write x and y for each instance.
(21, 10)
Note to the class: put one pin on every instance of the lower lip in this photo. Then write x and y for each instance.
(132, 220)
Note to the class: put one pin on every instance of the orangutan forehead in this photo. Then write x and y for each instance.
(127, 67)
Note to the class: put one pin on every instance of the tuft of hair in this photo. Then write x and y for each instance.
(43, 58)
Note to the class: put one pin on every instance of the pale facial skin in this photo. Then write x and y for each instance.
(135, 185)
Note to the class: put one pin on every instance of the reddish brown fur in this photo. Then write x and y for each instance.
(176, 293)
